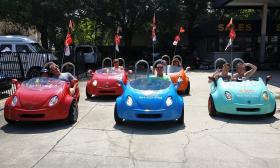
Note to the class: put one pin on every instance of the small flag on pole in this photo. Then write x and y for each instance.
(182, 30)
(154, 37)
(68, 41)
(117, 42)
(232, 33)
(176, 40)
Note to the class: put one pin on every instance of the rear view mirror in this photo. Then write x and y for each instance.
(268, 78)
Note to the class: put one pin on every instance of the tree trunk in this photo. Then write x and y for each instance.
(44, 37)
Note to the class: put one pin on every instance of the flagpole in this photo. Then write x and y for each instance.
(176, 44)
(231, 59)
(115, 53)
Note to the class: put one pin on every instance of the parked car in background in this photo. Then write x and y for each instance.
(90, 54)
(22, 57)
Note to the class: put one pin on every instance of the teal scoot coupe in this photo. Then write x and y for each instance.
(242, 96)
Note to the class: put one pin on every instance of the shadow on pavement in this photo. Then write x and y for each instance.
(35, 127)
(149, 128)
(102, 99)
(240, 119)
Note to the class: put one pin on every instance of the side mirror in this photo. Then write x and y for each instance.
(15, 82)
(268, 78)
(211, 78)
(122, 84)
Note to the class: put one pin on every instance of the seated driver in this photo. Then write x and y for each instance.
(241, 70)
(221, 73)
(176, 62)
(67, 77)
(159, 72)
(116, 65)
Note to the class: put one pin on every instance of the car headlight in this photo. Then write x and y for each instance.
(14, 101)
(228, 95)
(169, 101)
(94, 83)
(53, 101)
(129, 101)
(265, 95)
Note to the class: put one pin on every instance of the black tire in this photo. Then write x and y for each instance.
(181, 119)
(211, 107)
(187, 91)
(118, 120)
(73, 113)
(272, 113)
(10, 121)
(88, 95)
(34, 72)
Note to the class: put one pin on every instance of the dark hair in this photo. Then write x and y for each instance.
(227, 64)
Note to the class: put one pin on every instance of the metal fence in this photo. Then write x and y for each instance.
(21, 66)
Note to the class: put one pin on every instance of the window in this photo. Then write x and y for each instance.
(22, 48)
(6, 48)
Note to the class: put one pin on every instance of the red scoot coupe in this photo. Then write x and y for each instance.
(105, 81)
(42, 99)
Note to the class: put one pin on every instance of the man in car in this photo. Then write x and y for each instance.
(159, 72)
(221, 73)
(67, 77)
(241, 70)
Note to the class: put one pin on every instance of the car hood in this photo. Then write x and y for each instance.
(150, 99)
(37, 97)
(248, 90)
(107, 79)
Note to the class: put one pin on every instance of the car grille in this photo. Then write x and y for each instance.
(106, 91)
(149, 115)
(248, 109)
(32, 115)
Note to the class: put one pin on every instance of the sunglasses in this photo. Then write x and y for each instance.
(159, 67)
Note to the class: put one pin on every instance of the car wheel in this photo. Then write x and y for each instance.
(10, 121)
(73, 113)
(187, 91)
(34, 72)
(272, 113)
(118, 120)
(181, 119)
(211, 107)
(88, 95)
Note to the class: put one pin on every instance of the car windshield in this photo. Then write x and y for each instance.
(152, 83)
(43, 83)
(37, 47)
(109, 70)
(173, 69)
